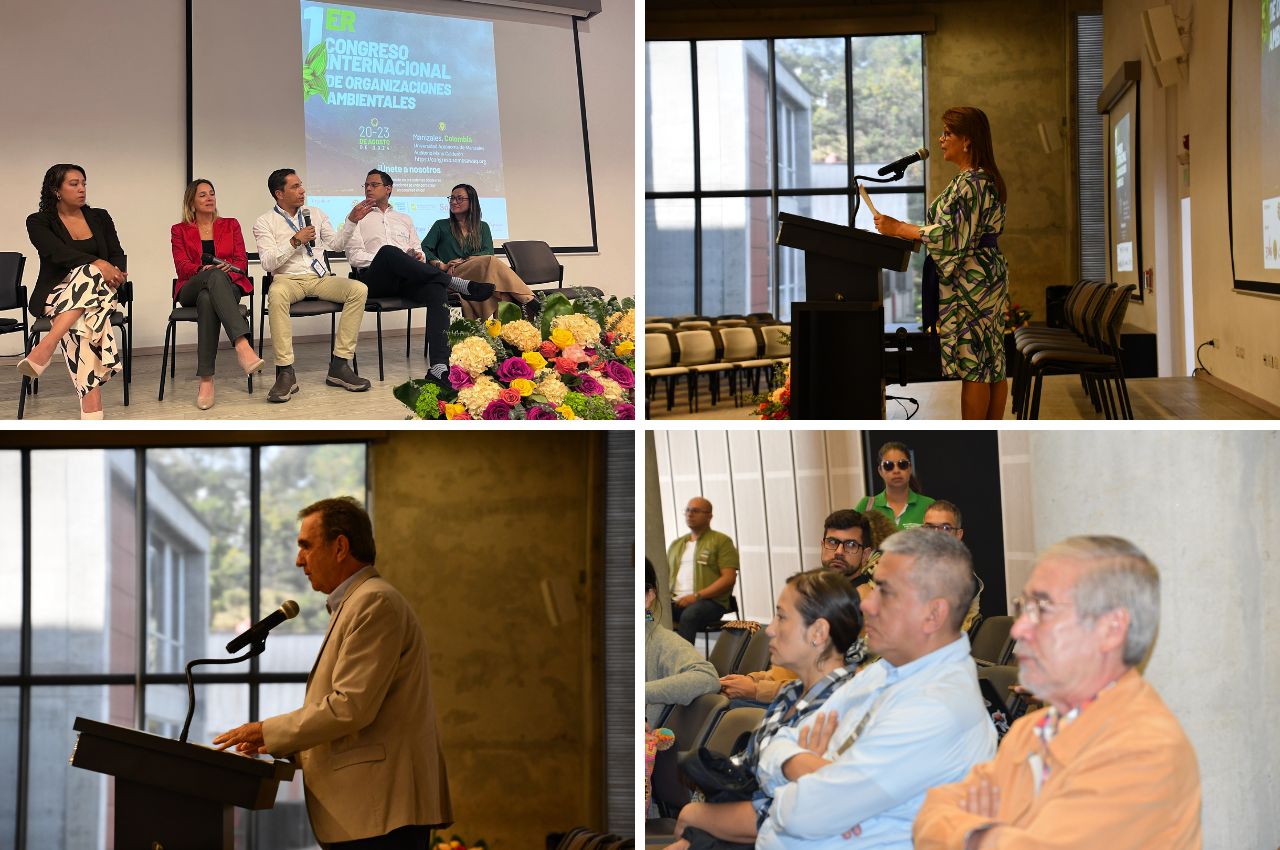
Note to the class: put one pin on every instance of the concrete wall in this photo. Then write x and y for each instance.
(469, 529)
(124, 121)
(1010, 60)
(1202, 506)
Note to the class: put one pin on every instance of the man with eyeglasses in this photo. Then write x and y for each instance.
(846, 537)
(855, 775)
(1105, 763)
(384, 249)
(704, 567)
(944, 516)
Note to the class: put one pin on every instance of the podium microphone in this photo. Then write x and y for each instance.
(258, 631)
(255, 635)
(306, 222)
(900, 165)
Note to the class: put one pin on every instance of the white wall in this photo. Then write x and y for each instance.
(1202, 505)
(1197, 108)
(770, 491)
(103, 85)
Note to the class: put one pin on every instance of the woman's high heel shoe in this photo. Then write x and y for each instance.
(31, 369)
(97, 414)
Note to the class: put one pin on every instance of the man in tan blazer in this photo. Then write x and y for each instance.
(366, 735)
(1105, 764)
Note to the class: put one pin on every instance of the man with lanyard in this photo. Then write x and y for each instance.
(284, 245)
(384, 247)
(704, 567)
(1105, 764)
(910, 721)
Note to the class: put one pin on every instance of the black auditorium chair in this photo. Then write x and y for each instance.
(178, 313)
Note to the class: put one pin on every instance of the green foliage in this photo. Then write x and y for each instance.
(508, 311)
(313, 81)
(887, 94)
(427, 405)
(214, 484)
(555, 305)
(463, 328)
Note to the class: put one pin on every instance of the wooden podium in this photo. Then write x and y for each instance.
(837, 335)
(174, 795)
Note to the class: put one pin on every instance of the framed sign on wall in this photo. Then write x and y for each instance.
(1119, 103)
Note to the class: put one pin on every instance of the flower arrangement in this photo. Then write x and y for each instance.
(1015, 316)
(776, 404)
(439, 842)
(577, 362)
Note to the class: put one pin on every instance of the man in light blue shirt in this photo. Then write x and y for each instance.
(856, 774)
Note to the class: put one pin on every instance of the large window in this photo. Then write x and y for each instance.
(138, 562)
(737, 131)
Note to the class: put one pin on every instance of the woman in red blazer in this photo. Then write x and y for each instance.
(207, 251)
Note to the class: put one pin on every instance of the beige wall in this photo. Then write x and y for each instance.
(468, 529)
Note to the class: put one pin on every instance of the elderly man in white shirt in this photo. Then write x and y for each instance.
(910, 721)
(384, 248)
(284, 237)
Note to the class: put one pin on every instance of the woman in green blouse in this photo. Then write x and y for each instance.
(462, 245)
(959, 234)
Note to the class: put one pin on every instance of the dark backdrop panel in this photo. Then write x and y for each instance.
(962, 467)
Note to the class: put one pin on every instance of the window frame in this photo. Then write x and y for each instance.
(26, 681)
(697, 194)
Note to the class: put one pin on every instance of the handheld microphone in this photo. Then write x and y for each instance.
(211, 260)
(258, 631)
(306, 221)
(900, 165)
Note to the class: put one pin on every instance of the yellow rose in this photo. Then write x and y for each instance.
(493, 326)
(562, 337)
(566, 411)
(535, 360)
(524, 386)
(625, 347)
(451, 411)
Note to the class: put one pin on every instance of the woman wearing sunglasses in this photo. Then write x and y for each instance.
(899, 500)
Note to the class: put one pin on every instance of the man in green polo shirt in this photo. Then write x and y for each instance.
(704, 566)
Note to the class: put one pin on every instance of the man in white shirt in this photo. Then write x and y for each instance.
(284, 236)
(910, 721)
(384, 247)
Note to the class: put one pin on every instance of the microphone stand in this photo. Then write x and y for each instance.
(901, 335)
(254, 650)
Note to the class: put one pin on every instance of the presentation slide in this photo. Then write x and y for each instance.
(1255, 144)
(434, 93)
(410, 94)
(1123, 188)
(1269, 137)
(1123, 216)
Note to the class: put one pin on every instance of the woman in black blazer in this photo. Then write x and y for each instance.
(80, 260)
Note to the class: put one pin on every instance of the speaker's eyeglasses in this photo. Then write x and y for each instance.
(887, 465)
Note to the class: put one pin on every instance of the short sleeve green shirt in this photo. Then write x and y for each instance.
(912, 516)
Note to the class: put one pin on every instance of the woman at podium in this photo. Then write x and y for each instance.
(964, 266)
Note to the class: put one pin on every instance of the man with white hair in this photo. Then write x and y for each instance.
(1105, 764)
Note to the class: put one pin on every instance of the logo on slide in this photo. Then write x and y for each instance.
(313, 69)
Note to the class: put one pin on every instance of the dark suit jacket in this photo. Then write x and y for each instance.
(58, 255)
(228, 244)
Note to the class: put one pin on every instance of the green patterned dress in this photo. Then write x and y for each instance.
(974, 279)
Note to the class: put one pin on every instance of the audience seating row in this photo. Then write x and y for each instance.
(1089, 346)
(739, 650)
(742, 352)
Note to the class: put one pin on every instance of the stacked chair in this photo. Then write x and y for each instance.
(1089, 347)
(740, 349)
